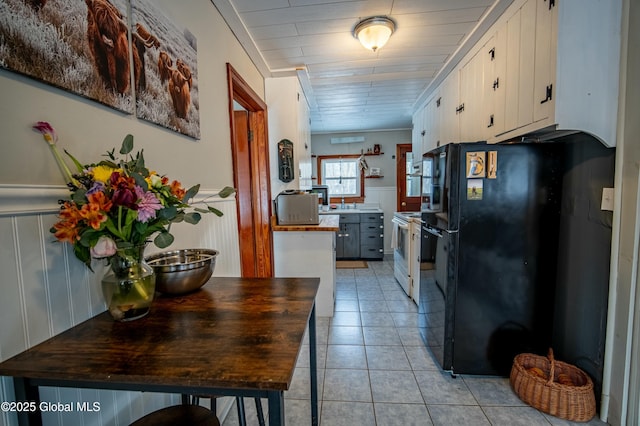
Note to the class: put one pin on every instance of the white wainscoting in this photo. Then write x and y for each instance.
(46, 290)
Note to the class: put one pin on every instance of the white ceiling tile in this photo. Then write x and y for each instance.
(356, 89)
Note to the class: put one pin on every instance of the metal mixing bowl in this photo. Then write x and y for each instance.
(182, 271)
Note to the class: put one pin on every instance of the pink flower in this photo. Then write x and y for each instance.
(48, 132)
(105, 247)
(148, 203)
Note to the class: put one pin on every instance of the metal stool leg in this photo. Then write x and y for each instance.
(259, 412)
(241, 414)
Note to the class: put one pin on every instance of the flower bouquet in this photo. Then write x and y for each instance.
(116, 206)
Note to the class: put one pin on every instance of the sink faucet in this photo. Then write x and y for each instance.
(342, 204)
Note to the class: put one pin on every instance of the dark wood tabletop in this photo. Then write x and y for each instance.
(233, 334)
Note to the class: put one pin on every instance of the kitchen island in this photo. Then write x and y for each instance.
(309, 251)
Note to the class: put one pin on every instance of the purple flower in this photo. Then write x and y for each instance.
(97, 187)
(148, 203)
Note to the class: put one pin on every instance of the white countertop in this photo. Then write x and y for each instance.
(350, 209)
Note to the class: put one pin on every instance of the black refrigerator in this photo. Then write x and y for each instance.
(487, 292)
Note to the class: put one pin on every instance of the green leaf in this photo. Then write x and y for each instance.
(108, 164)
(79, 166)
(215, 211)
(79, 196)
(191, 192)
(163, 240)
(139, 165)
(127, 145)
(167, 213)
(83, 254)
(140, 181)
(226, 191)
(192, 218)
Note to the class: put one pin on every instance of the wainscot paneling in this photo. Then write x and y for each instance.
(46, 290)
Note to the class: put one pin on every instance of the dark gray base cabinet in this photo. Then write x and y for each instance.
(348, 237)
(361, 236)
(372, 236)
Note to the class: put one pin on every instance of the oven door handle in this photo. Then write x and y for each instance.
(401, 224)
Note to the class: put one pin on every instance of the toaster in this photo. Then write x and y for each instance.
(297, 208)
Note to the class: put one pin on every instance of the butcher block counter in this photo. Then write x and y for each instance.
(328, 222)
(302, 251)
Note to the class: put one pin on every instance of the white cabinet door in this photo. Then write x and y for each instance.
(494, 81)
(545, 60)
(450, 124)
(417, 134)
(471, 100)
(519, 82)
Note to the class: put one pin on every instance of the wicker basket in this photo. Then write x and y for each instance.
(575, 402)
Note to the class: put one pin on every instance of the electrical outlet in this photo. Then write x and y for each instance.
(607, 199)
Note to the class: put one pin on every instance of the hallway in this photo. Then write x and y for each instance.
(375, 370)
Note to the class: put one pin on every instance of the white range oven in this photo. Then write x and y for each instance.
(406, 231)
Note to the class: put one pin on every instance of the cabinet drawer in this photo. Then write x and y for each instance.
(371, 217)
(371, 227)
(369, 238)
(350, 218)
(371, 252)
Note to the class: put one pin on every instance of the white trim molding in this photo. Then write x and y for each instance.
(19, 199)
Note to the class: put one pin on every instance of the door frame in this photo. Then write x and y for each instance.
(401, 180)
(253, 209)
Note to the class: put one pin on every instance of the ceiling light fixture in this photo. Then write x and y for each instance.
(374, 32)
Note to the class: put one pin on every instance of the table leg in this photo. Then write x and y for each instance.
(276, 408)
(313, 367)
(27, 393)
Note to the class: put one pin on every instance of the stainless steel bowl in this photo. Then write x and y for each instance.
(182, 271)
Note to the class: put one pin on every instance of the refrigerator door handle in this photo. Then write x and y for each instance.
(433, 231)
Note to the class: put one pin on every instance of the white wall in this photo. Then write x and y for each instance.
(623, 332)
(45, 289)
(377, 191)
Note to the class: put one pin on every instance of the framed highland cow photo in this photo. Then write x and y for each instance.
(167, 90)
(79, 46)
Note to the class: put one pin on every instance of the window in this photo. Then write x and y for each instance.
(343, 176)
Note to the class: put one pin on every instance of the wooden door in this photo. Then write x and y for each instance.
(407, 182)
(244, 192)
(251, 177)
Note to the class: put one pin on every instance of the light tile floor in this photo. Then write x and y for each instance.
(373, 369)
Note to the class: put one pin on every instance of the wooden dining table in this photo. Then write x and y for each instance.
(233, 337)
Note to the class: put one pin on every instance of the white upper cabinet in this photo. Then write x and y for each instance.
(544, 66)
(418, 133)
(494, 55)
(449, 103)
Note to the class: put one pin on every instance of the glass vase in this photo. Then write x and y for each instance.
(129, 285)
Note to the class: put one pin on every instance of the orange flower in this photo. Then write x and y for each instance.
(177, 190)
(66, 230)
(93, 215)
(69, 212)
(101, 200)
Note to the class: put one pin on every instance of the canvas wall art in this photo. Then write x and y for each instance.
(167, 91)
(79, 46)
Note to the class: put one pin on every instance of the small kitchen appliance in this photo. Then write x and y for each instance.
(297, 208)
